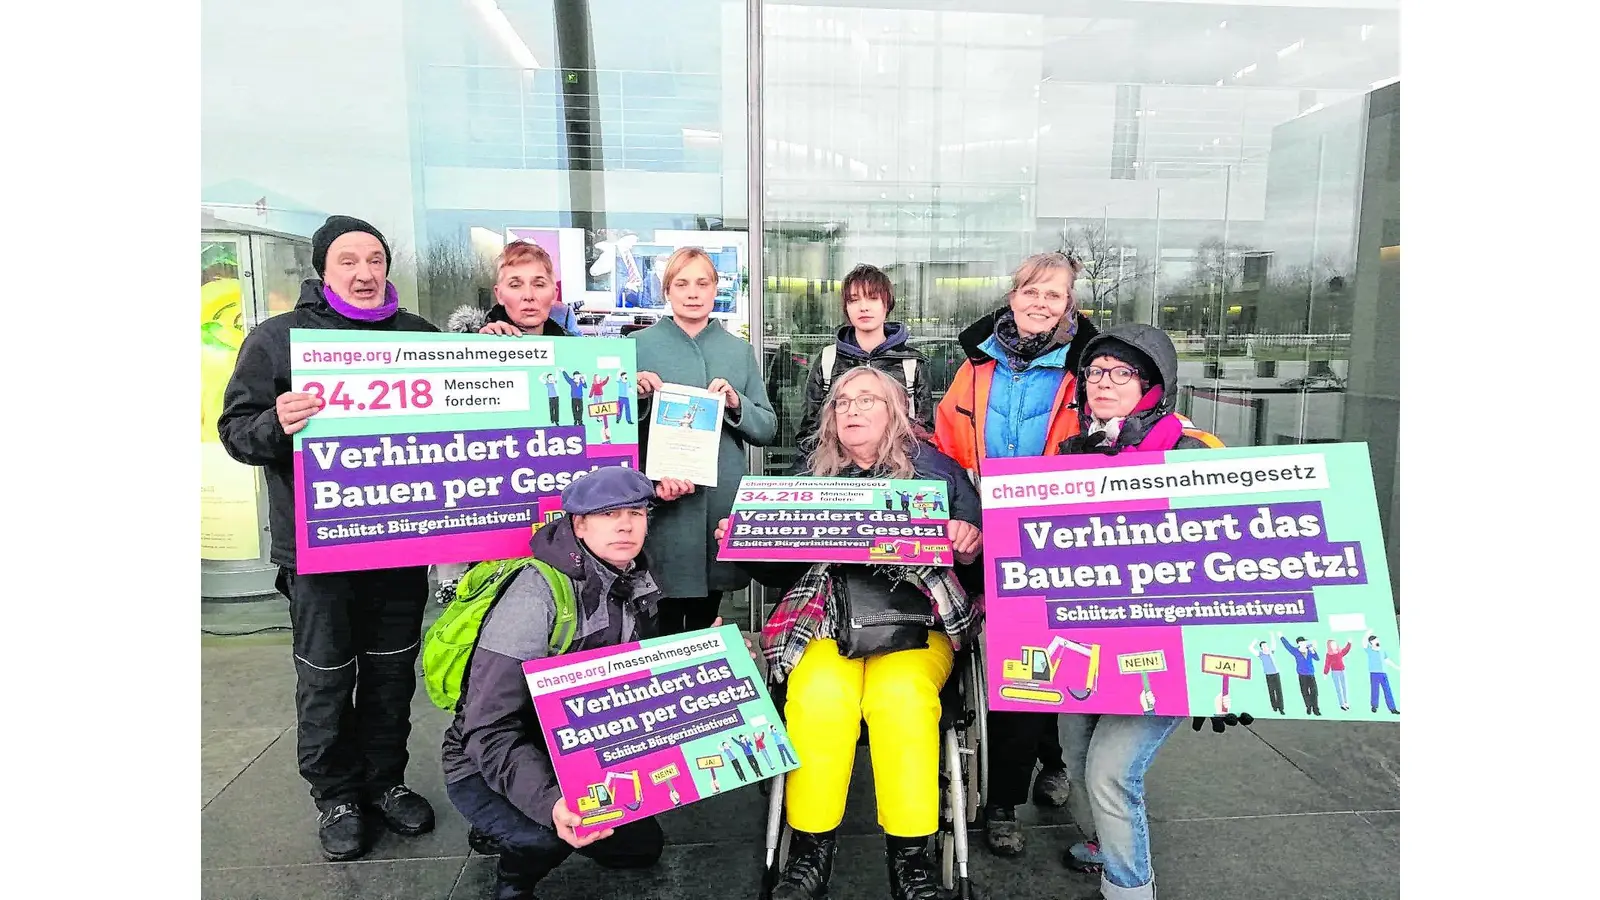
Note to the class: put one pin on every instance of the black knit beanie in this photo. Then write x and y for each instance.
(331, 230)
(1125, 352)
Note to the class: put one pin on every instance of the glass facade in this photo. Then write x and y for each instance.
(1226, 171)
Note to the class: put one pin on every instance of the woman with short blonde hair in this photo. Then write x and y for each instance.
(1013, 397)
(690, 348)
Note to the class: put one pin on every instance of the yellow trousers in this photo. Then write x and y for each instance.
(898, 696)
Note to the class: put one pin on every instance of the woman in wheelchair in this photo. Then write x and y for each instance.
(873, 642)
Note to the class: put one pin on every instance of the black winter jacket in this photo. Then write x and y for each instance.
(1155, 344)
(249, 422)
(889, 356)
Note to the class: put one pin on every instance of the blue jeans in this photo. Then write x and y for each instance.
(529, 851)
(1106, 759)
(1340, 688)
(1381, 680)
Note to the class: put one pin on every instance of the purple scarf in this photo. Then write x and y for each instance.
(390, 305)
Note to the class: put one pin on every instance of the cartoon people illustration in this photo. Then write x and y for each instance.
(733, 759)
(1305, 660)
(715, 787)
(577, 384)
(624, 397)
(938, 502)
(784, 753)
(905, 500)
(749, 748)
(1377, 658)
(597, 389)
(1262, 650)
(761, 746)
(550, 389)
(1333, 665)
(888, 500)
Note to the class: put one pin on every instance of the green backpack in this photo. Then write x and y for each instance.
(448, 645)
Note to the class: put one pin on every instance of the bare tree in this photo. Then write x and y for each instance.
(453, 273)
(1111, 273)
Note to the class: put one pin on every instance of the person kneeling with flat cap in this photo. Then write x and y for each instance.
(497, 767)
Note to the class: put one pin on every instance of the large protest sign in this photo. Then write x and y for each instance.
(1191, 582)
(839, 520)
(440, 448)
(646, 727)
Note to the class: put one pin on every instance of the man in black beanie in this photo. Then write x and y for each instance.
(356, 634)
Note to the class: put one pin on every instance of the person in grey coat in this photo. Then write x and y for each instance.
(689, 348)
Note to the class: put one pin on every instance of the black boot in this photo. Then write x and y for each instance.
(516, 874)
(810, 866)
(910, 872)
(482, 843)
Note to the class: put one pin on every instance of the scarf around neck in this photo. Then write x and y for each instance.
(1019, 350)
(385, 310)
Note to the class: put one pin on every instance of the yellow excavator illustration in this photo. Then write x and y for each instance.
(600, 805)
(1029, 677)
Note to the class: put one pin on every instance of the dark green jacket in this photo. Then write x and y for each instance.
(680, 544)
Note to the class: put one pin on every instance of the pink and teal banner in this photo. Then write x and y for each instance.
(839, 520)
(1194, 582)
(444, 448)
(643, 728)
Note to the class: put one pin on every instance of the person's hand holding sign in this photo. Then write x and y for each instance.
(566, 821)
(721, 386)
(295, 408)
(669, 489)
(966, 539)
(503, 328)
(647, 383)
(754, 654)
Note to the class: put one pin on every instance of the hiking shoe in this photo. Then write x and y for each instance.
(342, 832)
(405, 811)
(1050, 787)
(1004, 831)
(1085, 857)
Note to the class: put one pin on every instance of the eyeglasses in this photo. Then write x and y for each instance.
(1119, 375)
(1031, 295)
(865, 402)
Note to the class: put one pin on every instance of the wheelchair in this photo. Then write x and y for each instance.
(963, 779)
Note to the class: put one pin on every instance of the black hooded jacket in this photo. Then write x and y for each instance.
(1158, 349)
(249, 422)
(469, 319)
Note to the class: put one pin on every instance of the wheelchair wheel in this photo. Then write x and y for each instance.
(952, 837)
(980, 705)
(777, 839)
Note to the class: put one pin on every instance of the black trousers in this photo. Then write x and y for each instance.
(680, 614)
(1308, 693)
(555, 411)
(577, 410)
(1016, 741)
(1275, 691)
(529, 851)
(356, 639)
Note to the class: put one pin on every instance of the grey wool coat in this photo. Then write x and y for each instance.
(680, 544)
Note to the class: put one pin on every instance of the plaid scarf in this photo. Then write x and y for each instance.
(800, 615)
